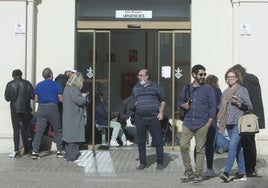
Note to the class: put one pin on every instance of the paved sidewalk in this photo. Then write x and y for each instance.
(113, 168)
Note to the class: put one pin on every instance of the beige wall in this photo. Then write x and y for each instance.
(12, 49)
(55, 36)
(253, 51)
(55, 46)
(212, 36)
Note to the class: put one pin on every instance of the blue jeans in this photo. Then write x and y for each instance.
(235, 151)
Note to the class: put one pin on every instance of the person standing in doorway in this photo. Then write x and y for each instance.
(251, 82)
(201, 110)
(102, 120)
(48, 93)
(149, 110)
(19, 93)
(62, 80)
(73, 129)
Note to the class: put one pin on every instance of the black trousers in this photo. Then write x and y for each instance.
(26, 130)
(210, 146)
(142, 125)
(250, 152)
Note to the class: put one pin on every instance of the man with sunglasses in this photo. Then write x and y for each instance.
(149, 108)
(201, 109)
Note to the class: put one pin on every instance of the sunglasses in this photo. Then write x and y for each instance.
(202, 74)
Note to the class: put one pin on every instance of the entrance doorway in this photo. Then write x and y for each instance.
(115, 57)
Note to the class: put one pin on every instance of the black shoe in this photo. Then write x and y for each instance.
(60, 154)
(35, 155)
(27, 153)
(224, 177)
(17, 154)
(197, 178)
(188, 176)
(141, 167)
(159, 167)
(253, 174)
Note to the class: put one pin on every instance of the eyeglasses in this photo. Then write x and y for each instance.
(140, 75)
(203, 74)
(230, 77)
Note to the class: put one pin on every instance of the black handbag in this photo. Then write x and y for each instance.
(182, 111)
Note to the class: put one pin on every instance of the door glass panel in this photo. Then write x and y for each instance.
(92, 52)
(174, 53)
(165, 68)
(84, 61)
(183, 62)
(102, 76)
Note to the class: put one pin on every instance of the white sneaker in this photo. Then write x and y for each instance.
(240, 178)
(114, 143)
(78, 160)
(128, 143)
(12, 154)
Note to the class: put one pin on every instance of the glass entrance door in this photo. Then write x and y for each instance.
(173, 55)
(93, 60)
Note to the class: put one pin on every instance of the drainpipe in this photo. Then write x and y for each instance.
(30, 42)
(236, 34)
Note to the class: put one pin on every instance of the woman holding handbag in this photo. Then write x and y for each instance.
(234, 102)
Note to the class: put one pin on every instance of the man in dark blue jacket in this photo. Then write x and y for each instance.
(201, 109)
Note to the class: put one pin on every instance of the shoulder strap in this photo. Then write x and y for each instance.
(187, 91)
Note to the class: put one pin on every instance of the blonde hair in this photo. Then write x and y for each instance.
(212, 80)
(76, 80)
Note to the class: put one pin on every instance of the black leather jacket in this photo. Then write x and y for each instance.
(19, 92)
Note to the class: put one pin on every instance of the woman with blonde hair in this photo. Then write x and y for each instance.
(213, 81)
(73, 121)
(234, 102)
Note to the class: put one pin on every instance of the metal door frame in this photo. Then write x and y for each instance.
(95, 33)
(173, 97)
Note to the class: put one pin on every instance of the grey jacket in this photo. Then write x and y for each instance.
(233, 113)
(73, 120)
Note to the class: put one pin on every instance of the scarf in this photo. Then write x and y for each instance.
(222, 111)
